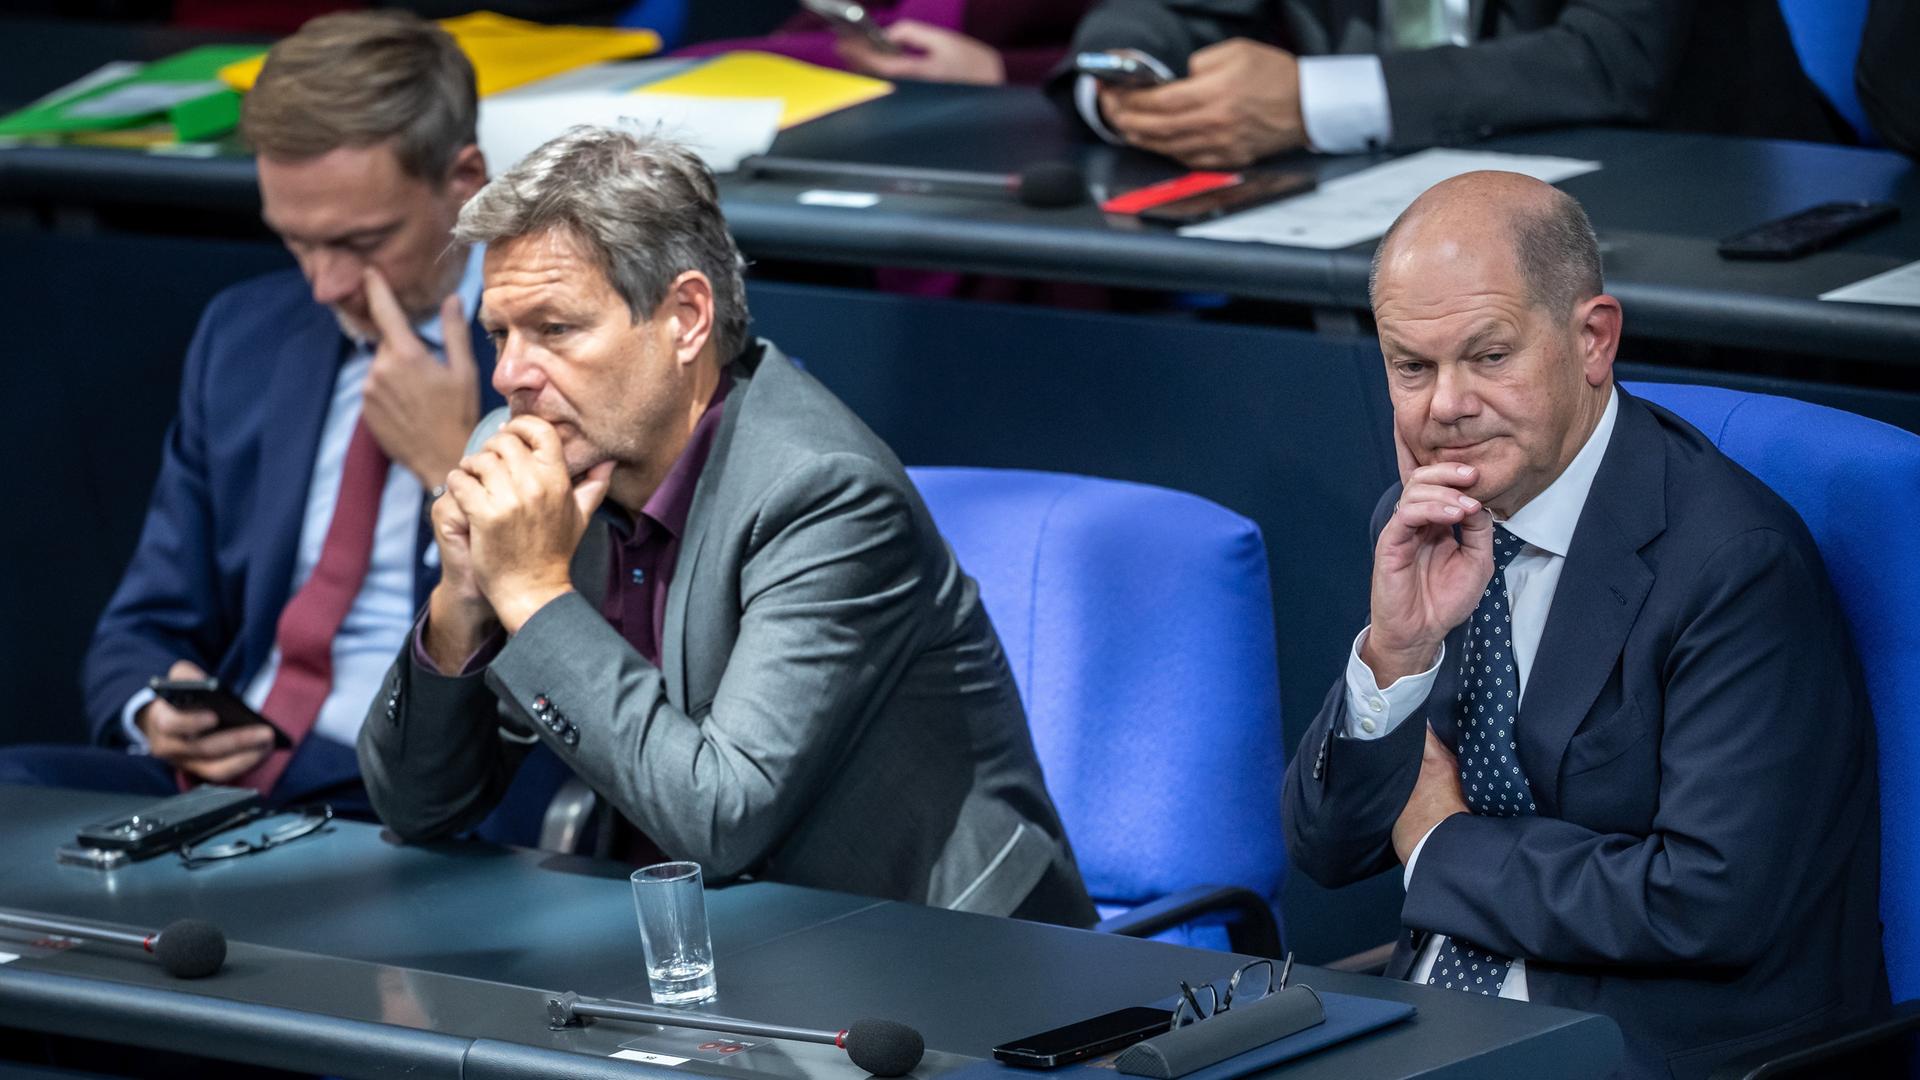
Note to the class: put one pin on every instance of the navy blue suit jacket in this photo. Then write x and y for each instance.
(1704, 867)
(214, 564)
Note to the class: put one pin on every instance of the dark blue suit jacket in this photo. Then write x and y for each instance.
(1705, 864)
(214, 564)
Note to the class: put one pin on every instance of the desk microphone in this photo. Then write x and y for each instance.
(882, 1047)
(186, 948)
(1046, 185)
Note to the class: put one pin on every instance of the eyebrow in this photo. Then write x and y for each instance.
(1475, 341)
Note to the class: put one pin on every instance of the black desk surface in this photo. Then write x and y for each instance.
(1659, 202)
(351, 950)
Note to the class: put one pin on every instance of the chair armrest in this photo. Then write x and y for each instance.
(1368, 962)
(567, 816)
(1797, 1053)
(1254, 931)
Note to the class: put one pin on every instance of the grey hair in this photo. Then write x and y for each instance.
(645, 207)
(1556, 249)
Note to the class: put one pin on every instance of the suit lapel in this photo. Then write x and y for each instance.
(298, 397)
(1601, 588)
(700, 515)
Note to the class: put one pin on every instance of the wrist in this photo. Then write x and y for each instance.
(516, 603)
(1391, 661)
(457, 625)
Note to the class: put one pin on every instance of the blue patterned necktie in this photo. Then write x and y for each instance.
(1486, 710)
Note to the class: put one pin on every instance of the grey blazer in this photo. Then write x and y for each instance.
(1723, 66)
(832, 707)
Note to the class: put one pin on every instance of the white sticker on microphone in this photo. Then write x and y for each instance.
(651, 1059)
(846, 200)
(8, 958)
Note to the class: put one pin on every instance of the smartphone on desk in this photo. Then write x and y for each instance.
(207, 693)
(1085, 1039)
(1254, 189)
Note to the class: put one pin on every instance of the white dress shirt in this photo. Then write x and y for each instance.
(1546, 525)
(375, 626)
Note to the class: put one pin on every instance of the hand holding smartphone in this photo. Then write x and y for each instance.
(207, 693)
(1129, 68)
(848, 17)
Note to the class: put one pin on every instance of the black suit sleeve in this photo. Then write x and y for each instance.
(1884, 75)
(1599, 61)
(1754, 777)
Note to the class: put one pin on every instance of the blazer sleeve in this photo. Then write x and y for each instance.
(1342, 796)
(1600, 61)
(169, 605)
(830, 593)
(1760, 744)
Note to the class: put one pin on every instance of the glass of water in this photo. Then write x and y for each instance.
(673, 932)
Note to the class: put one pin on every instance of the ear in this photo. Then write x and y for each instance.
(467, 174)
(1598, 323)
(685, 315)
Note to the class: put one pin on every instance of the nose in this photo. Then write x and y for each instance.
(514, 368)
(1453, 396)
(335, 276)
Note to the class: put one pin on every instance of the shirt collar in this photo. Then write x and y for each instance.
(672, 501)
(468, 290)
(1548, 520)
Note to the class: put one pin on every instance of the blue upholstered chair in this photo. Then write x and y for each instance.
(1826, 34)
(1139, 625)
(1856, 483)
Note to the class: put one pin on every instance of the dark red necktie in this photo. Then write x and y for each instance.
(312, 618)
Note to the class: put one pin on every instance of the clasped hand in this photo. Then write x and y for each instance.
(509, 523)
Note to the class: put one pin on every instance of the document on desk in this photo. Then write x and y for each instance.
(1358, 207)
(1900, 285)
(720, 130)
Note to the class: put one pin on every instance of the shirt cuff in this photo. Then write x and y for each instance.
(478, 661)
(1373, 713)
(1343, 100)
(1406, 876)
(136, 739)
(1086, 98)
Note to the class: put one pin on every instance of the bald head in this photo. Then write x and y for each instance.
(1550, 242)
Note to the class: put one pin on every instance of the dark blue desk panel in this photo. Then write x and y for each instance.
(356, 955)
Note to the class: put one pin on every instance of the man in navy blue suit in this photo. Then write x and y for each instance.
(1606, 717)
(285, 550)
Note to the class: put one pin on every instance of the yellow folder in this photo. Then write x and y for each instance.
(510, 52)
(807, 90)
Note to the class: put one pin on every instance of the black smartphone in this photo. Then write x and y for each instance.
(1123, 67)
(170, 822)
(209, 694)
(1085, 1039)
(1808, 231)
(850, 18)
(1253, 189)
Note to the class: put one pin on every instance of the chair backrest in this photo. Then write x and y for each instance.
(1856, 483)
(1826, 35)
(1139, 626)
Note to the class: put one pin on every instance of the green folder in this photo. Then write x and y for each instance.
(184, 89)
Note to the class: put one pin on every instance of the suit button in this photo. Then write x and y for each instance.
(571, 736)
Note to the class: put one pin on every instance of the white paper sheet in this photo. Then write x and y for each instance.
(1900, 285)
(1361, 206)
(720, 130)
(135, 99)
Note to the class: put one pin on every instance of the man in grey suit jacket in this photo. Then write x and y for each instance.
(1258, 77)
(757, 647)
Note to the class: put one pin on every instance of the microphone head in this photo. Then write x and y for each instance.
(1051, 184)
(884, 1048)
(190, 948)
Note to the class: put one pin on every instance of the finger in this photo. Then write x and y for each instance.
(181, 724)
(1446, 474)
(387, 316)
(489, 470)
(230, 767)
(1434, 493)
(917, 35)
(540, 437)
(1401, 455)
(467, 493)
(1177, 98)
(592, 488)
(1476, 534)
(895, 67)
(185, 669)
(459, 340)
(219, 744)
